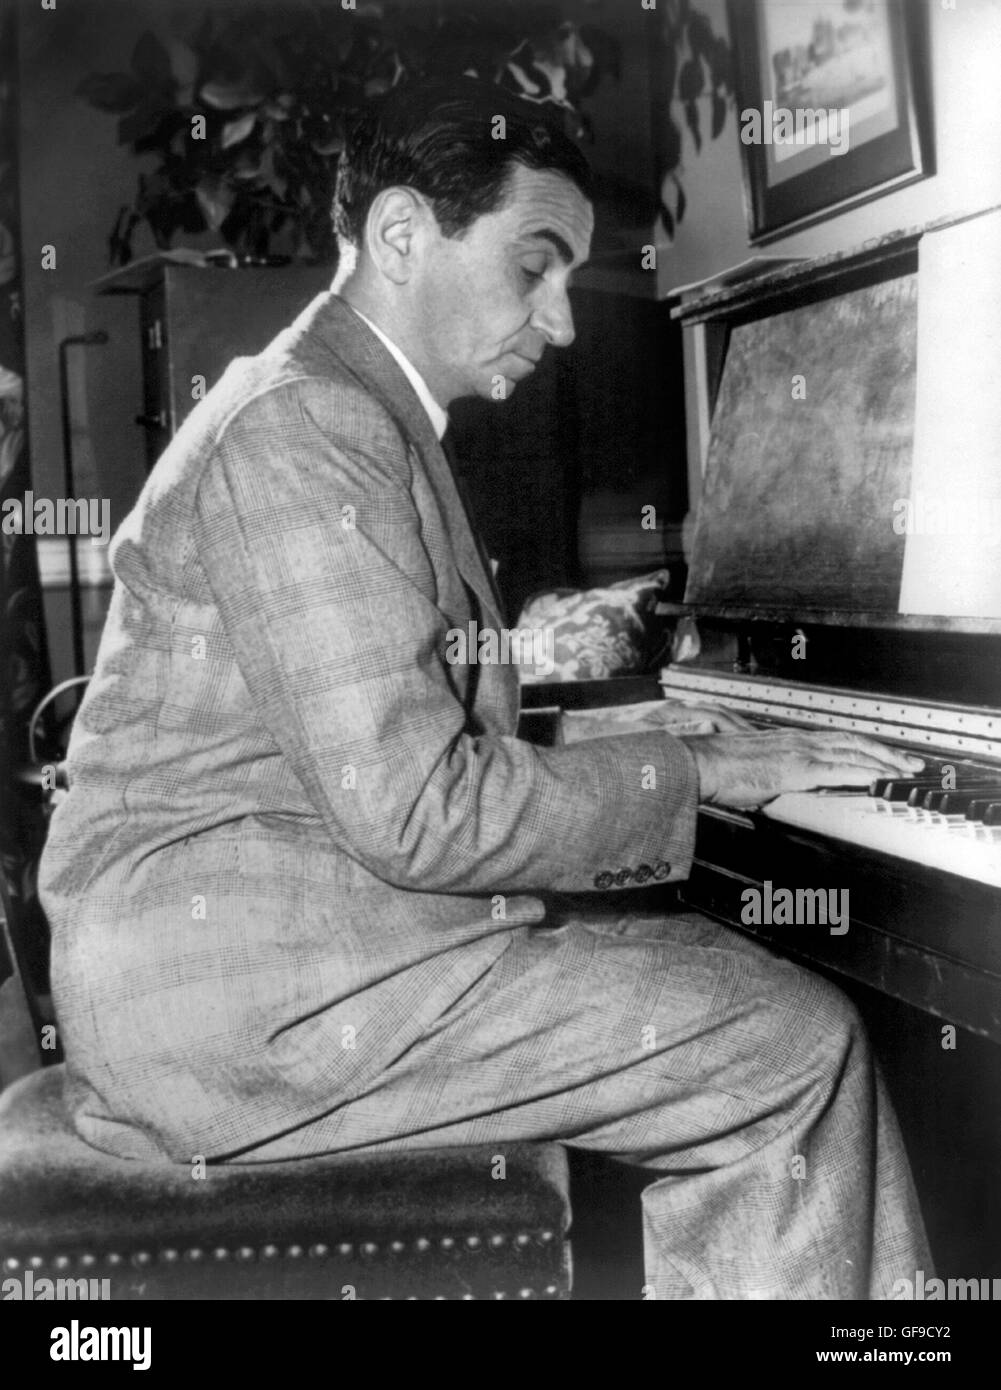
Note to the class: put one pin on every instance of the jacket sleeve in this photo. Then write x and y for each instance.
(310, 540)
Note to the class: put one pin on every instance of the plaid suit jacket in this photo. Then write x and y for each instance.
(295, 834)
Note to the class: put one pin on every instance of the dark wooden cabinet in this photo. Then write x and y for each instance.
(194, 321)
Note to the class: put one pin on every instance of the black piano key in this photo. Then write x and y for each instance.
(879, 787)
(955, 803)
(992, 814)
(900, 788)
(964, 775)
(907, 788)
(976, 809)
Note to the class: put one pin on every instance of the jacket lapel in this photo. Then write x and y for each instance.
(333, 322)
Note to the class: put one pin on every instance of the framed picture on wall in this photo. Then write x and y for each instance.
(831, 106)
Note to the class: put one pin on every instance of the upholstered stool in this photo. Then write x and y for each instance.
(435, 1224)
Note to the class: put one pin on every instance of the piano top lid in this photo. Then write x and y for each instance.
(726, 300)
(804, 513)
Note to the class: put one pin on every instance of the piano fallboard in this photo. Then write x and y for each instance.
(928, 938)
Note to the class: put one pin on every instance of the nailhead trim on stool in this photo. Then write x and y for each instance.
(333, 1228)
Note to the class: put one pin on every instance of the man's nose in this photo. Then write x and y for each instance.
(553, 318)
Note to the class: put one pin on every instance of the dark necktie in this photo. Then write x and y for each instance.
(448, 447)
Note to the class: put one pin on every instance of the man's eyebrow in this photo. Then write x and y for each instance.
(563, 247)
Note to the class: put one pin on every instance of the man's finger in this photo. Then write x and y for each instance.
(726, 720)
(846, 773)
(907, 759)
(845, 745)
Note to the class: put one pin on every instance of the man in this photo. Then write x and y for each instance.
(295, 885)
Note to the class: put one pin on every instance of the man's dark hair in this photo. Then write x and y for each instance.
(441, 140)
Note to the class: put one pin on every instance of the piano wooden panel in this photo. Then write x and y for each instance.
(931, 940)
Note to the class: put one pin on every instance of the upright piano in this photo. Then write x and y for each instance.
(845, 573)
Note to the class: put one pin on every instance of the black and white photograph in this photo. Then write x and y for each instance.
(500, 709)
(839, 77)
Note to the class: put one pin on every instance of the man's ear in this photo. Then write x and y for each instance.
(394, 229)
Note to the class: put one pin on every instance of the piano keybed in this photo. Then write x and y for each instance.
(947, 818)
(920, 857)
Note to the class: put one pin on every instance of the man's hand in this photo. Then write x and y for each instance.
(747, 769)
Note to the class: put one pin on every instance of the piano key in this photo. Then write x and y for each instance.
(977, 827)
(899, 795)
(955, 810)
(915, 797)
(932, 809)
(960, 746)
(957, 802)
(858, 822)
(900, 788)
(958, 799)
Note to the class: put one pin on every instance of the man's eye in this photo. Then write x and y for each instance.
(532, 275)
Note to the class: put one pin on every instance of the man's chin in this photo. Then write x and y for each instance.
(495, 388)
(503, 383)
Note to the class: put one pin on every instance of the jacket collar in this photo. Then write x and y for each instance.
(359, 352)
(437, 414)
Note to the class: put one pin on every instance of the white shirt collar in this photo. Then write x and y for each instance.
(438, 416)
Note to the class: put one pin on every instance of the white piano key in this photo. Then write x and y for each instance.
(848, 819)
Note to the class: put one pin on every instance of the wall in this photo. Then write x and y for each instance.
(74, 178)
(965, 60)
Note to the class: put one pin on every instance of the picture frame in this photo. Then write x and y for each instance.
(832, 106)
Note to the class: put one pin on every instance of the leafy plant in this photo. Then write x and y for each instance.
(692, 62)
(248, 147)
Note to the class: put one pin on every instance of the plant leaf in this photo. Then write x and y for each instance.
(235, 131)
(692, 120)
(700, 35)
(278, 109)
(230, 96)
(721, 65)
(532, 80)
(691, 80)
(666, 220)
(719, 114)
(331, 146)
(682, 203)
(111, 91)
(215, 199)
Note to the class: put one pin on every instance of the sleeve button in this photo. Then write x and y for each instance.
(643, 874)
(603, 880)
(623, 877)
(662, 870)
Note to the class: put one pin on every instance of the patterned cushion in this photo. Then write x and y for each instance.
(616, 630)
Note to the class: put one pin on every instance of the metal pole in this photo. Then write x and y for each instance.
(69, 486)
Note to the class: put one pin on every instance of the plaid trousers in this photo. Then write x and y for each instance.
(679, 1045)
